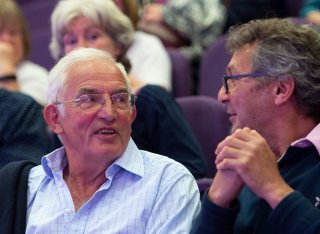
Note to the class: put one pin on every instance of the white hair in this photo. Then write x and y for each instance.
(103, 13)
(58, 74)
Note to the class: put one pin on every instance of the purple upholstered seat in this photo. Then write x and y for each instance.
(293, 7)
(209, 121)
(212, 67)
(37, 13)
(181, 73)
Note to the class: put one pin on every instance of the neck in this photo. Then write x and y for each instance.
(83, 182)
(284, 133)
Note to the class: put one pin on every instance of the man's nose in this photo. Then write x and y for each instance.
(107, 110)
(222, 95)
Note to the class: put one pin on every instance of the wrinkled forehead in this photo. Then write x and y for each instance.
(94, 71)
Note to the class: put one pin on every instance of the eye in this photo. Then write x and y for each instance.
(89, 101)
(119, 98)
(69, 40)
(89, 98)
(93, 36)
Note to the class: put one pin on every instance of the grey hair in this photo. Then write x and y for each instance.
(284, 48)
(103, 13)
(58, 75)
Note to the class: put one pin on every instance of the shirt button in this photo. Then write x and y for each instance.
(68, 211)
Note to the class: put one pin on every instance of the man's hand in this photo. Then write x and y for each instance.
(247, 153)
(225, 187)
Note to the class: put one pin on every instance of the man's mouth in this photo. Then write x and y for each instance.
(106, 131)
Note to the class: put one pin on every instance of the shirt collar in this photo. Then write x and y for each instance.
(313, 138)
(131, 160)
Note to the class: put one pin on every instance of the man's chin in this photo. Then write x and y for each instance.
(234, 128)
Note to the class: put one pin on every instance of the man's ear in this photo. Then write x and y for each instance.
(133, 113)
(51, 115)
(284, 89)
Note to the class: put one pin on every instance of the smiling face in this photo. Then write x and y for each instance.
(102, 135)
(248, 104)
(81, 32)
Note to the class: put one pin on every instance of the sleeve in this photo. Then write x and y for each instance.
(215, 219)
(33, 81)
(150, 60)
(296, 215)
(24, 133)
(177, 204)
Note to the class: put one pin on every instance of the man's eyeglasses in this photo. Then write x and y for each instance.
(94, 102)
(225, 78)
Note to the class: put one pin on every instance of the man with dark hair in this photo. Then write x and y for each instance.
(268, 168)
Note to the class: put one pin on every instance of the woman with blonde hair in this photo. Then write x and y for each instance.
(16, 72)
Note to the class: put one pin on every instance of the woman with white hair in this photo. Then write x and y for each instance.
(150, 63)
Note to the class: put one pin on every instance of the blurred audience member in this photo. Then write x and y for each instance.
(160, 127)
(311, 11)
(16, 72)
(268, 168)
(101, 24)
(191, 25)
(23, 132)
(242, 11)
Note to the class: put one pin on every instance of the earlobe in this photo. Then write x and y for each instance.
(51, 116)
(284, 89)
(133, 114)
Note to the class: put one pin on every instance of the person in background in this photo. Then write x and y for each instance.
(242, 11)
(194, 25)
(23, 131)
(160, 126)
(267, 169)
(16, 72)
(99, 181)
(150, 63)
(310, 9)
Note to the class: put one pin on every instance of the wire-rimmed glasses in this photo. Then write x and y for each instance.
(94, 102)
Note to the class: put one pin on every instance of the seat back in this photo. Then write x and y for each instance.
(212, 66)
(181, 73)
(37, 13)
(293, 7)
(209, 122)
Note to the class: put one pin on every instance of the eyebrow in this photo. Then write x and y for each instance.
(87, 91)
(96, 91)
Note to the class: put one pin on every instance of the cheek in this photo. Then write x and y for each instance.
(109, 45)
(77, 122)
(18, 48)
(68, 48)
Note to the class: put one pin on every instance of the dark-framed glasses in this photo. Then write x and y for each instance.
(225, 78)
(94, 102)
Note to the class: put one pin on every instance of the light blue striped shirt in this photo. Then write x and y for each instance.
(144, 193)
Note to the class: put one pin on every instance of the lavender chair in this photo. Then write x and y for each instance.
(181, 73)
(209, 122)
(37, 13)
(212, 66)
(293, 7)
